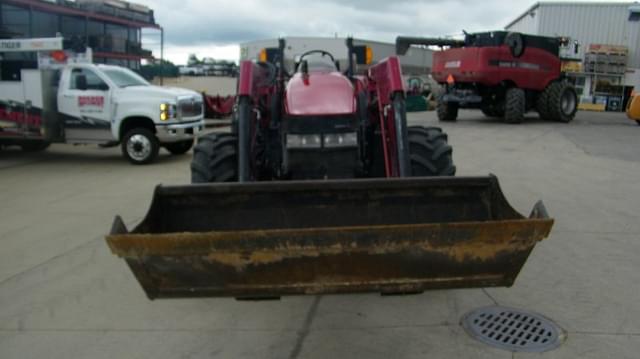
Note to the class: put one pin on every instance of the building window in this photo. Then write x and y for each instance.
(72, 26)
(118, 36)
(15, 21)
(44, 24)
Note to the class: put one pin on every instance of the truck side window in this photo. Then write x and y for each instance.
(93, 81)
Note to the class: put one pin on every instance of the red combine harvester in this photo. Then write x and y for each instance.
(321, 187)
(504, 74)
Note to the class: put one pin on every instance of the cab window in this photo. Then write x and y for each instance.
(94, 82)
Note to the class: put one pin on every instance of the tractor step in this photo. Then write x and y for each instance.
(266, 240)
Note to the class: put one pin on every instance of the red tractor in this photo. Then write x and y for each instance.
(504, 74)
(320, 123)
(306, 195)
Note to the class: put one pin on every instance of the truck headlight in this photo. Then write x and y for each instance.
(167, 111)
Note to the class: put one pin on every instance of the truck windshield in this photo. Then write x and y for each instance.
(125, 78)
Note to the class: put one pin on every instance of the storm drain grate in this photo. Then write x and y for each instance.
(512, 329)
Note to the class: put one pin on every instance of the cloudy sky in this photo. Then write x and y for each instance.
(214, 27)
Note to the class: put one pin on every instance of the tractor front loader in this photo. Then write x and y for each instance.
(321, 187)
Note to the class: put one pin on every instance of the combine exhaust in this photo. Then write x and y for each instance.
(265, 240)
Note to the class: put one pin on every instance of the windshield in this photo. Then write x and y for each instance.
(124, 77)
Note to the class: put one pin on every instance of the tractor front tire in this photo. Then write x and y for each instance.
(447, 111)
(431, 154)
(215, 159)
(515, 105)
(179, 148)
(562, 102)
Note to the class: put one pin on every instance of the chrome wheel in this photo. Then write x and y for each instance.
(139, 147)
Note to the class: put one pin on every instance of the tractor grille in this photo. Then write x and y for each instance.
(190, 107)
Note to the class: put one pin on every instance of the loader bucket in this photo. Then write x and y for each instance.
(265, 240)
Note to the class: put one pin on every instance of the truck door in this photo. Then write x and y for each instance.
(84, 102)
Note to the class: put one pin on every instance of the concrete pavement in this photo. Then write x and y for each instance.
(63, 295)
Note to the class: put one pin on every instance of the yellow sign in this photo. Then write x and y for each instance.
(571, 66)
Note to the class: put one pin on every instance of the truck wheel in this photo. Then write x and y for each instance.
(140, 146)
(215, 159)
(34, 146)
(430, 152)
(562, 102)
(515, 105)
(179, 148)
(447, 111)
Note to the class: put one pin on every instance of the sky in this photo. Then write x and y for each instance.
(214, 28)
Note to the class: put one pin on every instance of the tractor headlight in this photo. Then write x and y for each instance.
(339, 140)
(304, 141)
(333, 140)
(167, 111)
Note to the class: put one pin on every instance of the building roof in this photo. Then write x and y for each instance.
(565, 3)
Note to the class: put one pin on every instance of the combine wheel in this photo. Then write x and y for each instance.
(431, 155)
(515, 105)
(447, 111)
(562, 102)
(542, 105)
(215, 159)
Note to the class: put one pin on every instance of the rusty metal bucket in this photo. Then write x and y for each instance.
(262, 240)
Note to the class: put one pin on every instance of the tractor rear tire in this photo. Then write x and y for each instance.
(515, 105)
(562, 102)
(447, 111)
(215, 159)
(431, 154)
(638, 122)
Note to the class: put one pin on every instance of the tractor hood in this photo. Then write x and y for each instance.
(322, 93)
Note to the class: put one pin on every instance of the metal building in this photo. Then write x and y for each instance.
(417, 62)
(609, 37)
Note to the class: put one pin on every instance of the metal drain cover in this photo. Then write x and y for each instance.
(513, 329)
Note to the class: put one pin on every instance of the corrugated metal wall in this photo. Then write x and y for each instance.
(596, 23)
(527, 24)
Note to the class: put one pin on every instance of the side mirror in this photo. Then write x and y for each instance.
(81, 82)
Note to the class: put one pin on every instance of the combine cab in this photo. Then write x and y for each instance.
(322, 188)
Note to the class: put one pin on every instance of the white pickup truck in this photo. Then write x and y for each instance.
(83, 103)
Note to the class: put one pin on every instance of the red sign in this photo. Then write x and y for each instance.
(20, 117)
(94, 101)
